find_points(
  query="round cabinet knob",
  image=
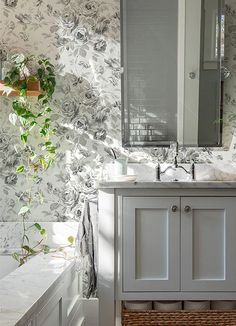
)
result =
(192, 75)
(187, 209)
(174, 208)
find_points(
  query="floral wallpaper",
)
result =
(82, 38)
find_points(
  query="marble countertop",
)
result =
(171, 185)
(22, 291)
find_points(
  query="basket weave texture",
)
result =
(178, 318)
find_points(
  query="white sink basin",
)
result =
(203, 172)
(147, 172)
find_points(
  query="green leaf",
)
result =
(23, 92)
(30, 250)
(51, 149)
(27, 114)
(43, 132)
(20, 169)
(46, 249)
(32, 78)
(18, 108)
(43, 163)
(24, 137)
(40, 114)
(16, 256)
(32, 124)
(40, 72)
(71, 240)
(43, 232)
(41, 96)
(23, 121)
(49, 69)
(23, 89)
(23, 210)
(38, 226)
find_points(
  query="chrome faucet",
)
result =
(175, 166)
(175, 146)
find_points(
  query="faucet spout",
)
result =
(175, 147)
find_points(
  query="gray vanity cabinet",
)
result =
(162, 236)
(208, 244)
(151, 243)
(165, 241)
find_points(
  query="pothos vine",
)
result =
(36, 132)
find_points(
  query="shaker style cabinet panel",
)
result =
(151, 244)
(208, 244)
(53, 313)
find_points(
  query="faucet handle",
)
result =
(158, 172)
(192, 170)
(176, 161)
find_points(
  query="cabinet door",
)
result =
(208, 243)
(151, 236)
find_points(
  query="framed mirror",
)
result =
(173, 72)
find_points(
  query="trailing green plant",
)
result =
(32, 117)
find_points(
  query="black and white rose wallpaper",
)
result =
(82, 39)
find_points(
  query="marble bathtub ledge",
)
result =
(24, 290)
(171, 185)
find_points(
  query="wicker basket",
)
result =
(178, 318)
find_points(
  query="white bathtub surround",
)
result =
(43, 288)
(57, 234)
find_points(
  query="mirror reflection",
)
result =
(173, 72)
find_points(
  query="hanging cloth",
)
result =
(85, 249)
